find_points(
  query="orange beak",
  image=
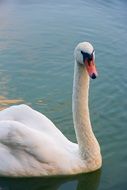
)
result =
(91, 68)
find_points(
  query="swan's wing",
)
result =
(26, 115)
(17, 136)
(24, 150)
(34, 120)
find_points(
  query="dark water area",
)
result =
(37, 40)
(85, 181)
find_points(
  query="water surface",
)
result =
(37, 39)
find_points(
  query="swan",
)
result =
(31, 145)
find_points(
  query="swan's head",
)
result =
(85, 55)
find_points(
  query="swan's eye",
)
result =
(82, 52)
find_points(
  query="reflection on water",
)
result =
(81, 182)
(4, 102)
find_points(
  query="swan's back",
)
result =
(26, 115)
(32, 119)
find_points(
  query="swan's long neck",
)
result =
(88, 145)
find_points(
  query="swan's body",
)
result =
(31, 145)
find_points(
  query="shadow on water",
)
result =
(80, 182)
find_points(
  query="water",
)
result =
(37, 39)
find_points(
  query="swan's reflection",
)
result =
(80, 182)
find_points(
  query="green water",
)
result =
(37, 39)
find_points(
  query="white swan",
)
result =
(31, 145)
